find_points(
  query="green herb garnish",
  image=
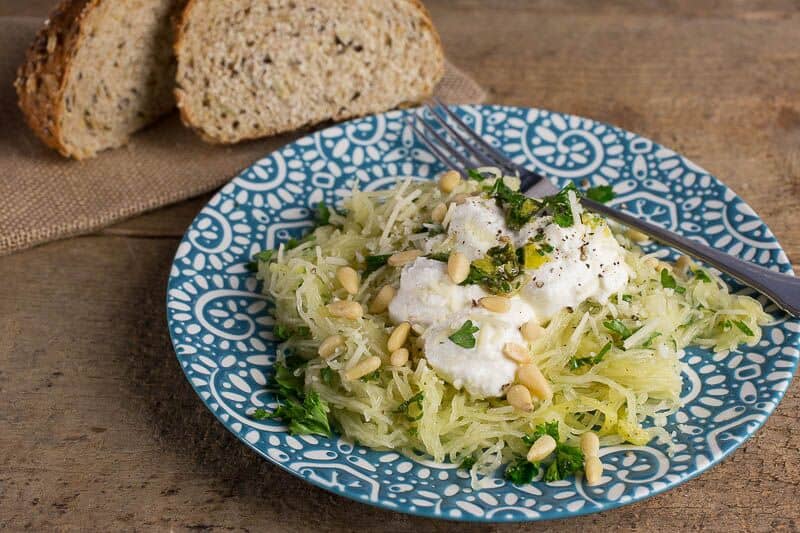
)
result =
(262, 256)
(372, 376)
(467, 463)
(627, 297)
(322, 214)
(374, 262)
(439, 256)
(702, 275)
(618, 327)
(650, 339)
(465, 335)
(577, 362)
(519, 209)
(412, 407)
(520, 472)
(475, 175)
(559, 206)
(326, 373)
(743, 327)
(498, 271)
(283, 333)
(568, 459)
(668, 282)
(304, 413)
(600, 193)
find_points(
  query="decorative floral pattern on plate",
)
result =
(221, 328)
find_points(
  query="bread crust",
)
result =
(41, 79)
(189, 121)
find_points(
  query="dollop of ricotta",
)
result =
(475, 226)
(427, 294)
(585, 262)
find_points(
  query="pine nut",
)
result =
(636, 236)
(516, 352)
(329, 346)
(367, 366)
(544, 446)
(682, 264)
(401, 258)
(449, 180)
(590, 444)
(460, 198)
(399, 357)
(531, 330)
(382, 300)
(519, 397)
(457, 267)
(532, 377)
(438, 213)
(346, 309)
(593, 470)
(398, 337)
(496, 304)
(348, 277)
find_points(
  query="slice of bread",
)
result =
(250, 68)
(97, 72)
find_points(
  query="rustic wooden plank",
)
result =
(100, 430)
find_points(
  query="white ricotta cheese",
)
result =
(475, 226)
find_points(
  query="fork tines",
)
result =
(460, 150)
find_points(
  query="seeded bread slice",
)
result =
(250, 68)
(97, 72)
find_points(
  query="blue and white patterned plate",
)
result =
(221, 326)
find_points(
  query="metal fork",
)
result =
(460, 148)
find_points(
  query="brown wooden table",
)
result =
(99, 429)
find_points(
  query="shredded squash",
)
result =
(625, 396)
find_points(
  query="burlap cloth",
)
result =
(44, 197)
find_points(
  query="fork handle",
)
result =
(783, 289)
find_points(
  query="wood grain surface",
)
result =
(99, 430)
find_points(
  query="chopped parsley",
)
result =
(600, 193)
(439, 256)
(559, 206)
(577, 362)
(568, 459)
(465, 335)
(618, 327)
(322, 215)
(263, 256)
(475, 175)
(650, 339)
(743, 327)
(372, 376)
(374, 262)
(326, 373)
(519, 209)
(668, 282)
(702, 275)
(412, 407)
(498, 271)
(627, 298)
(283, 333)
(520, 472)
(467, 463)
(304, 413)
